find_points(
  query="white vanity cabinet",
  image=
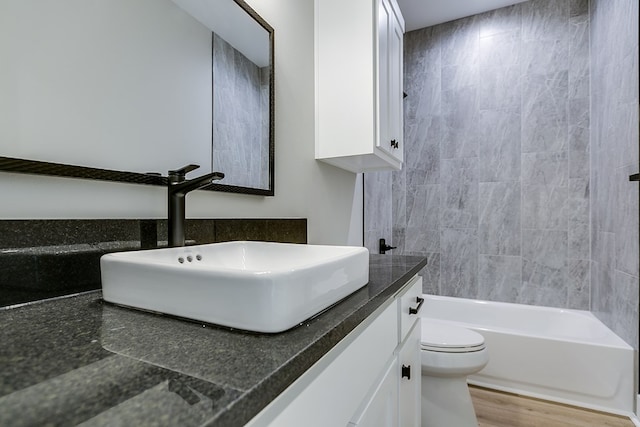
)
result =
(370, 378)
(381, 408)
(409, 360)
(395, 400)
(358, 47)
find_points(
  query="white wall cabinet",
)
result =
(358, 47)
(370, 378)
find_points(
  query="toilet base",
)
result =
(446, 402)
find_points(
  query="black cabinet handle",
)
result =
(394, 144)
(406, 372)
(420, 301)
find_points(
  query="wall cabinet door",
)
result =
(358, 49)
(390, 34)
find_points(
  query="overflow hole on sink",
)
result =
(189, 258)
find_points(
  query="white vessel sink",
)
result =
(256, 286)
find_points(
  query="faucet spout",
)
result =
(178, 188)
(184, 187)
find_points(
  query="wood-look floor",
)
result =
(498, 409)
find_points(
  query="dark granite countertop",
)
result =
(79, 361)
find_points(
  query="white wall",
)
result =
(329, 197)
(82, 82)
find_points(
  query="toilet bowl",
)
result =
(449, 354)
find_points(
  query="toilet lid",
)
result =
(447, 337)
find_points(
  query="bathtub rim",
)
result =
(619, 342)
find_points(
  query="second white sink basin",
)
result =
(255, 286)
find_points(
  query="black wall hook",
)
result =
(384, 247)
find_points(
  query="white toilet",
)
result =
(449, 353)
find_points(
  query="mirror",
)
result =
(117, 89)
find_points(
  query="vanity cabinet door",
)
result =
(332, 390)
(410, 372)
(395, 400)
(359, 382)
(381, 410)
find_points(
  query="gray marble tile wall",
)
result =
(241, 108)
(614, 144)
(495, 188)
(377, 210)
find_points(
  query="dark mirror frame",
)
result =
(34, 167)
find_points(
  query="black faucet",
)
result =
(179, 186)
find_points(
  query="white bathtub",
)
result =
(566, 356)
